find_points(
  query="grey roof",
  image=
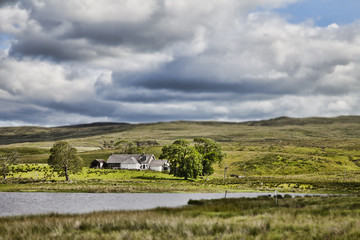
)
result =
(131, 160)
(158, 163)
(146, 158)
(121, 158)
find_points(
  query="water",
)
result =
(19, 203)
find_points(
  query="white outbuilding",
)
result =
(159, 165)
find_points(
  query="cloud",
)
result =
(271, 57)
(7, 2)
(35, 90)
(13, 19)
(164, 60)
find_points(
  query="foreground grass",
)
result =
(261, 218)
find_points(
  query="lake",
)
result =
(26, 203)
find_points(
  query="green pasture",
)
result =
(39, 177)
(43, 172)
(293, 153)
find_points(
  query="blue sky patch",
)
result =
(322, 12)
(4, 41)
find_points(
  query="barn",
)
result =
(98, 163)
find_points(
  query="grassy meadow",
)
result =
(291, 155)
(261, 218)
(39, 177)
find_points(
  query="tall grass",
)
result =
(262, 218)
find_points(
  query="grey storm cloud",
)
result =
(7, 2)
(47, 49)
(159, 60)
(152, 33)
(172, 82)
(138, 36)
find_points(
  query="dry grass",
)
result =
(262, 218)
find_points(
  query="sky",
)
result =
(82, 61)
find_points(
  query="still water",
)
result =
(19, 203)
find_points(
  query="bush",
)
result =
(196, 202)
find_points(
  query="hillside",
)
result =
(9, 135)
(282, 121)
(282, 127)
(281, 146)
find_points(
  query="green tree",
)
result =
(63, 159)
(184, 160)
(6, 161)
(211, 152)
(127, 147)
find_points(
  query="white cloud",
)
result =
(96, 11)
(39, 81)
(135, 60)
(13, 19)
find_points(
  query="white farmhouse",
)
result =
(137, 162)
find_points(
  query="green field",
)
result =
(261, 218)
(295, 155)
(38, 177)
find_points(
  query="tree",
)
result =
(191, 161)
(63, 159)
(6, 161)
(127, 147)
(211, 152)
(184, 160)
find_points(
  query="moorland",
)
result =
(308, 155)
(287, 154)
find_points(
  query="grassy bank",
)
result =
(38, 177)
(261, 218)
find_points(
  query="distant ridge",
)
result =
(9, 135)
(95, 124)
(282, 121)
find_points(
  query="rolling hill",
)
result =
(281, 146)
(338, 127)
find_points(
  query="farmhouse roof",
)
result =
(121, 158)
(158, 163)
(131, 160)
(146, 158)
